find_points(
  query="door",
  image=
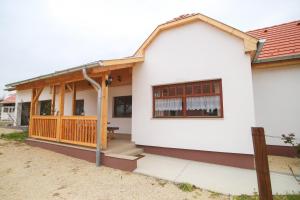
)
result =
(25, 110)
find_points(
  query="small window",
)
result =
(5, 109)
(45, 107)
(79, 107)
(123, 106)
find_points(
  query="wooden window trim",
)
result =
(184, 96)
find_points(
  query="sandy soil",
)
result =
(281, 164)
(32, 173)
(8, 130)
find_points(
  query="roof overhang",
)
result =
(250, 42)
(94, 69)
(282, 61)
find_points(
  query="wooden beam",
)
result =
(32, 111)
(104, 104)
(53, 100)
(36, 98)
(261, 163)
(62, 99)
(109, 68)
(74, 99)
(61, 111)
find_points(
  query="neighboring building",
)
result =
(8, 108)
(193, 90)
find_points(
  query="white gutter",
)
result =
(99, 96)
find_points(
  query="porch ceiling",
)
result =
(94, 69)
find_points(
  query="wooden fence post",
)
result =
(262, 164)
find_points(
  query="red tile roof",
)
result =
(9, 99)
(281, 40)
(181, 17)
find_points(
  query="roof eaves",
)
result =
(281, 58)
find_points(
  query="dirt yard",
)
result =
(4, 130)
(32, 173)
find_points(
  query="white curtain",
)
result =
(204, 103)
(174, 104)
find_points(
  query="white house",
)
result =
(193, 90)
(8, 108)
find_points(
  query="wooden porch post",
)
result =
(74, 99)
(53, 100)
(32, 111)
(104, 103)
(36, 92)
(61, 110)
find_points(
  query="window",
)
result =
(79, 107)
(122, 106)
(5, 109)
(193, 99)
(45, 107)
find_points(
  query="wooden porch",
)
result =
(75, 129)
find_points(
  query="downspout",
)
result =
(260, 45)
(98, 135)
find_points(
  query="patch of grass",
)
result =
(214, 194)
(186, 187)
(275, 197)
(17, 136)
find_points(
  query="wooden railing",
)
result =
(44, 127)
(80, 130)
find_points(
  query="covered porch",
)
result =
(70, 115)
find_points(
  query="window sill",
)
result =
(189, 117)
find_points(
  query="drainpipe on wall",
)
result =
(99, 91)
(260, 45)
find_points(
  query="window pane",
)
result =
(206, 87)
(168, 107)
(188, 89)
(179, 90)
(123, 106)
(79, 107)
(5, 110)
(172, 91)
(197, 88)
(157, 92)
(45, 107)
(203, 106)
(216, 87)
(165, 92)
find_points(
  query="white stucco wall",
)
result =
(123, 123)
(277, 101)
(90, 103)
(195, 52)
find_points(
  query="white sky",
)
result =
(41, 36)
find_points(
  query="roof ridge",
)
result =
(273, 26)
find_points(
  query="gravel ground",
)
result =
(32, 173)
(281, 164)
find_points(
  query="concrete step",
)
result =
(120, 148)
(133, 152)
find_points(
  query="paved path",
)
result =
(218, 178)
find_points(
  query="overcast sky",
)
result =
(41, 36)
